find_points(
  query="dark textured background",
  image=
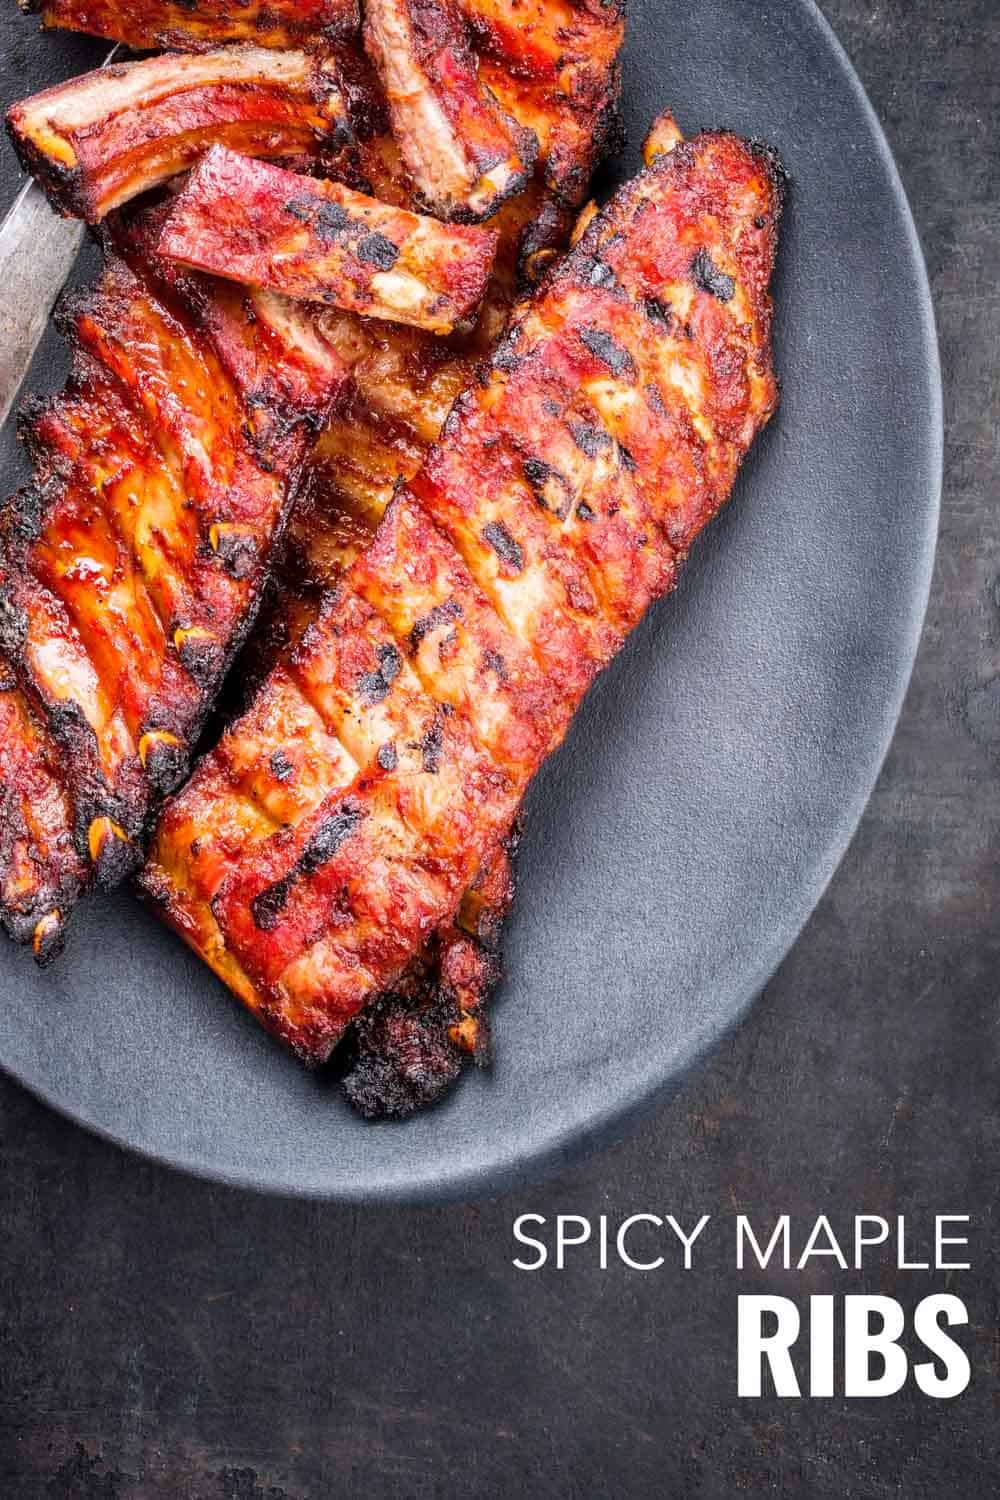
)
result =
(160, 1337)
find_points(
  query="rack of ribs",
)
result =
(553, 65)
(564, 494)
(180, 24)
(133, 564)
(404, 383)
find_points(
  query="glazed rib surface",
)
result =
(174, 24)
(553, 65)
(41, 871)
(132, 565)
(560, 502)
(104, 137)
(253, 222)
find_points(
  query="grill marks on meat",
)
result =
(403, 385)
(466, 156)
(602, 441)
(102, 138)
(179, 24)
(254, 222)
(130, 570)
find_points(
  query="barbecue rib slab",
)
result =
(466, 156)
(150, 24)
(254, 222)
(132, 565)
(104, 137)
(564, 495)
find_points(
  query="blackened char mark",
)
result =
(494, 662)
(551, 489)
(13, 628)
(324, 844)
(441, 614)
(329, 220)
(376, 250)
(400, 1057)
(281, 766)
(658, 312)
(590, 440)
(237, 551)
(711, 279)
(603, 347)
(374, 686)
(506, 548)
(431, 747)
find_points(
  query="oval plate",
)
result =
(713, 779)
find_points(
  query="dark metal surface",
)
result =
(38, 250)
(713, 778)
(162, 1337)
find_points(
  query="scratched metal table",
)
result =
(162, 1337)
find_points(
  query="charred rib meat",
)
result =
(100, 139)
(403, 384)
(132, 565)
(407, 1050)
(41, 871)
(553, 65)
(256, 223)
(561, 501)
(466, 156)
(181, 25)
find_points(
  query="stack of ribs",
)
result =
(314, 389)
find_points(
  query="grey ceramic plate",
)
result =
(713, 780)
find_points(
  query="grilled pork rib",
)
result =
(561, 501)
(131, 567)
(100, 139)
(465, 155)
(256, 223)
(183, 25)
(553, 65)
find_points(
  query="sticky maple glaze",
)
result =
(254, 222)
(132, 565)
(403, 384)
(173, 24)
(102, 138)
(563, 496)
(553, 65)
